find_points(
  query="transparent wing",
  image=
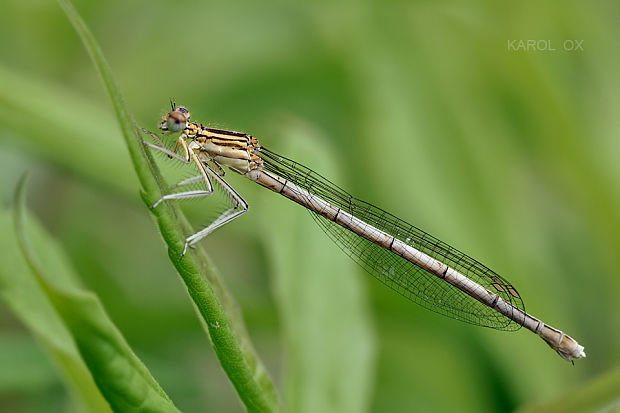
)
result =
(409, 280)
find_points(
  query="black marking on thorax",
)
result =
(223, 137)
(225, 132)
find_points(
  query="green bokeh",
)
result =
(420, 107)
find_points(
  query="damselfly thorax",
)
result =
(232, 149)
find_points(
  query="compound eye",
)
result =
(176, 122)
(182, 109)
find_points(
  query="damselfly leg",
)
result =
(240, 206)
(162, 148)
(207, 173)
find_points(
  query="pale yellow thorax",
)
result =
(232, 149)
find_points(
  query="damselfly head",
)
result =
(176, 120)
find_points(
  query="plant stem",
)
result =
(215, 305)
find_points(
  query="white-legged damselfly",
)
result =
(415, 264)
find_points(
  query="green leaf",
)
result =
(215, 305)
(120, 376)
(25, 297)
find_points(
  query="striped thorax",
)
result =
(233, 149)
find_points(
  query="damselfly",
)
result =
(415, 264)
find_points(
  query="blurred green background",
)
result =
(419, 107)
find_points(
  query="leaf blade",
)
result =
(121, 377)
